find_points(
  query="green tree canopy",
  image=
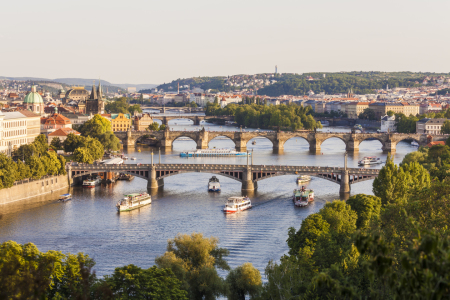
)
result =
(109, 141)
(367, 208)
(132, 282)
(96, 126)
(56, 144)
(194, 259)
(445, 129)
(242, 281)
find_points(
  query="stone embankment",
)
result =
(26, 189)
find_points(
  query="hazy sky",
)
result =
(138, 41)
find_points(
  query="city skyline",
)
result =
(153, 43)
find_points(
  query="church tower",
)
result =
(95, 103)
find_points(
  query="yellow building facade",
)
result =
(120, 122)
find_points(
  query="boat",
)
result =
(302, 197)
(254, 143)
(414, 144)
(133, 158)
(91, 182)
(125, 157)
(124, 176)
(214, 184)
(65, 197)
(213, 152)
(237, 204)
(370, 160)
(303, 179)
(325, 123)
(133, 201)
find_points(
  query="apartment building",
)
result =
(17, 128)
(430, 126)
(353, 109)
(142, 122)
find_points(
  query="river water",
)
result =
(90, 224)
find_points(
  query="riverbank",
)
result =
(33, 188)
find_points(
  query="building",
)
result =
(354, 109)
(33, 101)
(62, 134)
(17, 128)
(142, 122)
(77, 93)
(54, 122)
(319, 107)
(120, 122)
(381, 108)
(95, 103)
(430, 126)
(202, 99)
(77, 119)
(388, 124)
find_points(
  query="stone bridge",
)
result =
(249, 175)
(352, 140)
(195, 118)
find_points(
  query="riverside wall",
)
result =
(33, 188)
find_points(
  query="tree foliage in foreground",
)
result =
(194, 260)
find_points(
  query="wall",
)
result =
(34, 188)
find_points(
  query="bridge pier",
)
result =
(247, 181)
(196, 121)
(314, 146)
(389, 147)
(278, 147)
(153, 183)
(241, 145)
(352, 146)
(345, 183)
(165, 121)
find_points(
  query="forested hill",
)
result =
(332, 83)
(295, 84)
(205, 83)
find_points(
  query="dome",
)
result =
(33, 97)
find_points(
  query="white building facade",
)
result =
(16, 129)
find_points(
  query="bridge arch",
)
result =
(177, 119)
(296, 142)
(237, 177)
(229, 141)
(257, 138)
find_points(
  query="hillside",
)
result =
(295, 84)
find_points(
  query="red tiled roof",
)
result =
(64, 132)
(435, 143)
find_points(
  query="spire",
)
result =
(100, 91)
(93, 93)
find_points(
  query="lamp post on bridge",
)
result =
(159, 155)
(152, 158)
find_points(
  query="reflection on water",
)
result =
(90, 223)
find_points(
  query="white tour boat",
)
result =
(302, 197)
(236, 204)
(213, 152)
(415, 144)
(91, 182)
(65, 197)
(133, 158)
(303, 179)
(214, 184)
(133, 201)
(370, 160)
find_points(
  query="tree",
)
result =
(445, 129)
(25, 151)
(95, 148)
(36, 167)
(119, 106)
(23, 171)
(56, 144)
(27, 273)
(242, 281)
(8, 171)
(73, 142)
(109, 141)
(135, 108)
(391, 183)
(367, 208)
(62, 162)
(162, 127)
(40, 145)
(194, 259)
(132, 282)
(312, 228)
(83, 155)
(390, 113)
(367, 114)
(95, 126)
(154, 126)
(51, 163)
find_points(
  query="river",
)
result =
(90, 224)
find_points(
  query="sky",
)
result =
(152, 42)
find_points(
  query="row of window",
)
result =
(15, 124)
(15, 132)
(56, 181)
